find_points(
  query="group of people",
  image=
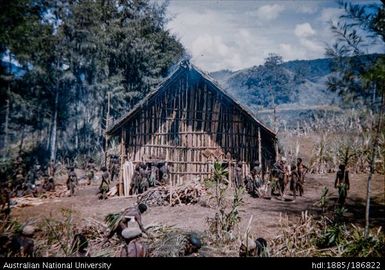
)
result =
(261, 183)
(293, 177)
(107, 176)
(73, 180)
(129, 227)
(22, 182)
(256, 183)
(289, 176)
(148, 175)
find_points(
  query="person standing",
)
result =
(104, 185)
(72, 181)
(342, 183)
(51, 168)
(90, 171)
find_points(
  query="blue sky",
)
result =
(226, 34)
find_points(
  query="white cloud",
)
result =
(304, 30)
(312, 46)
(330, 14)
(212, 52)
(288, 52)
(285, 47)
(207, 44)
(212, 48)
(244, 33)
(269, 12)
(307, 9)
(236, 34)
(207, 49)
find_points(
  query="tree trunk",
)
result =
(76, 128)
(22, 138)
(54, 128)
(49, 131)
(374, 95)
(107, 126)
(76, 135)
(372, 166)
(7, 103)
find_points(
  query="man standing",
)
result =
(104, 185)
(51, 168)
(19, 166)
(38, 170)
(342, 183)
(238, 175)
(90, 171)
(302, 170)
(256, 173)
(72, 181)
(144, 175)
(280, 171)
(154, 175)
(295, 182)
(114, 167)
(164, 171)
(135, 182)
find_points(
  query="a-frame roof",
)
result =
(182, 67)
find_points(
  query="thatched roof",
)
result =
(182, 67)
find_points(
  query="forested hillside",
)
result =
(300, 82)
(61, 59)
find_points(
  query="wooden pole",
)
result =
(259, 147)
(7, 105)
(107, 126)
(121, 164)
(126, 187)
(276, 150)
(167, 158)
(230, 171)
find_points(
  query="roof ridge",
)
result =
(184, 65)
(229, 95)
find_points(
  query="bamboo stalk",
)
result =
(121, 164)
(259, 147)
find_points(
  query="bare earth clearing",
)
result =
(266, 213)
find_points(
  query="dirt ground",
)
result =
(266, 213)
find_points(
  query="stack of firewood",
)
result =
(155, 196)
(184, 194)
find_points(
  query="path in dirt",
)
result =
(266, 213)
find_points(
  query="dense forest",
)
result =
(61, 63)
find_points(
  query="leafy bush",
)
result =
(222, 225)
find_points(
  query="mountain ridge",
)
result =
(296, 85)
